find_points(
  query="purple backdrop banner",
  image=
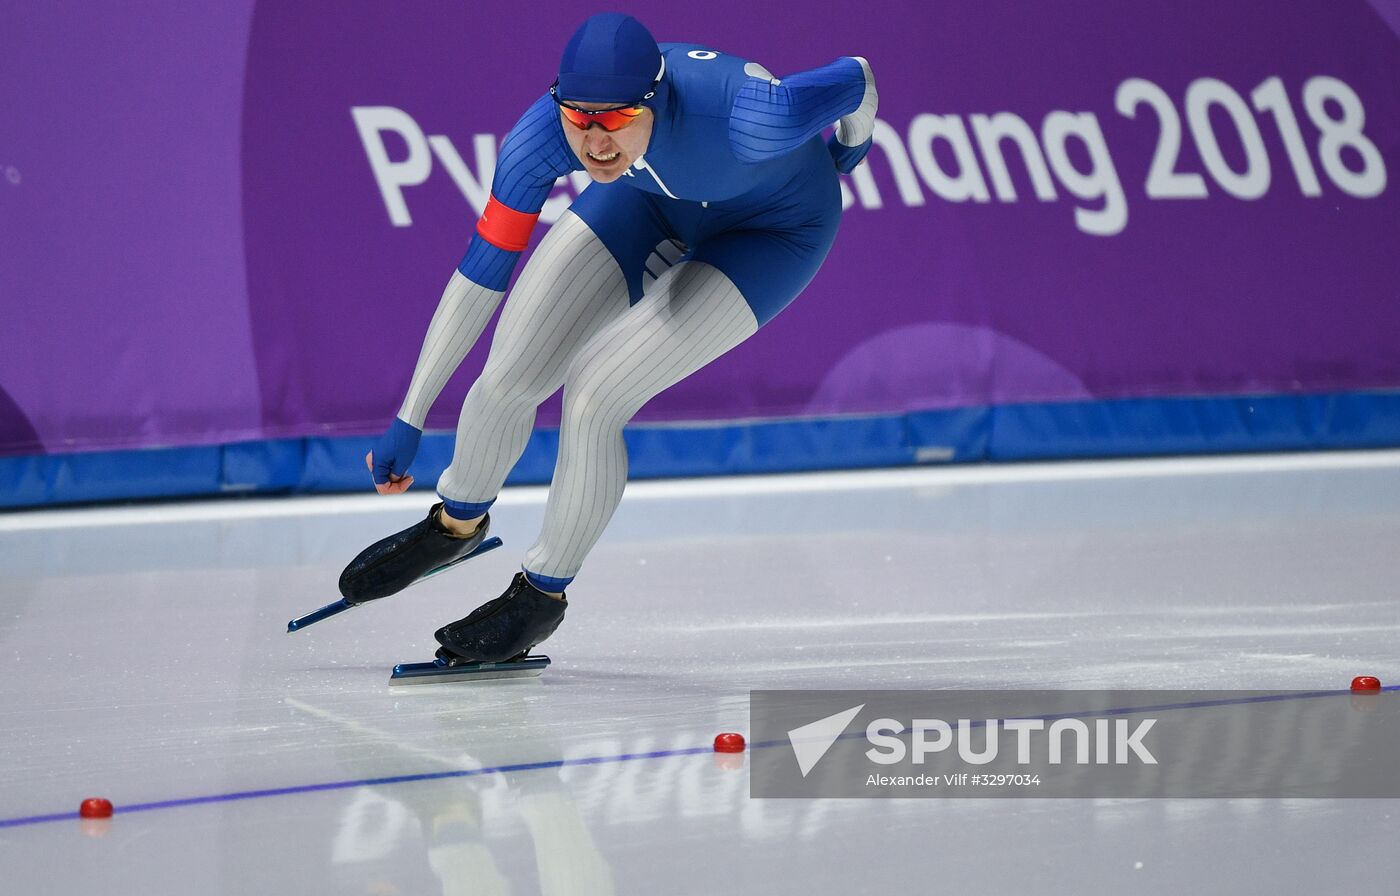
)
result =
(233, 221)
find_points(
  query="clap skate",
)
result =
(494, 640)
(390, 565)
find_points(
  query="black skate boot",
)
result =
(392, 564)
(502, 629)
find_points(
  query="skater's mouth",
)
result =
(606, 158)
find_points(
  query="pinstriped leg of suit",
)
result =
(692, 314)
(571, 287)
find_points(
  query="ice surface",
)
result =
(146, 660)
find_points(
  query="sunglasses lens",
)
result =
(610, 120)
(576, 118)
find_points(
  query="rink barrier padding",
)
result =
(1013, 432)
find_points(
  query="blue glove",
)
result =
(395, 450)
(847, 157)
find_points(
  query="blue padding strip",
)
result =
(1015, 432)
(1154, 426)
(242, 468)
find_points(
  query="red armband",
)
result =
(504, 227)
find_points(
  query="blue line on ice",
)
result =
(27, 820)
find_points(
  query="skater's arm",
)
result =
(461, 315)
(771, 118)
(534, 155)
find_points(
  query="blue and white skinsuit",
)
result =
(721, 222)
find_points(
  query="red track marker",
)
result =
(1365, 683)
(95, 807)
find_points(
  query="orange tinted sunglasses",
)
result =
(608, 119)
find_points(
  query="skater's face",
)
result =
(595, 147)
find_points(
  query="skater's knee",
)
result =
(585, 402)
(500, 385)
(593, 392)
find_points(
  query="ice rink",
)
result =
(146, 661)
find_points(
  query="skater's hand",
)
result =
(388, 462)
(394, 486)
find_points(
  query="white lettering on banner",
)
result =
(475, 187)
(1342, 132)
(991, 131)
(1204, 93)
(392, 177)
(967, 183)
(1099, 182)
(938, 154)
(1272, 98)
(905, 180)
(1163, 180)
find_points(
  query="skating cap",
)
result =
(612, 58)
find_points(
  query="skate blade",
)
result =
(342, 605)
(438, 672)
(325, 612)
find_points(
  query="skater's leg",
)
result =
(571, 286)
(693, 314)
(734, 282)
